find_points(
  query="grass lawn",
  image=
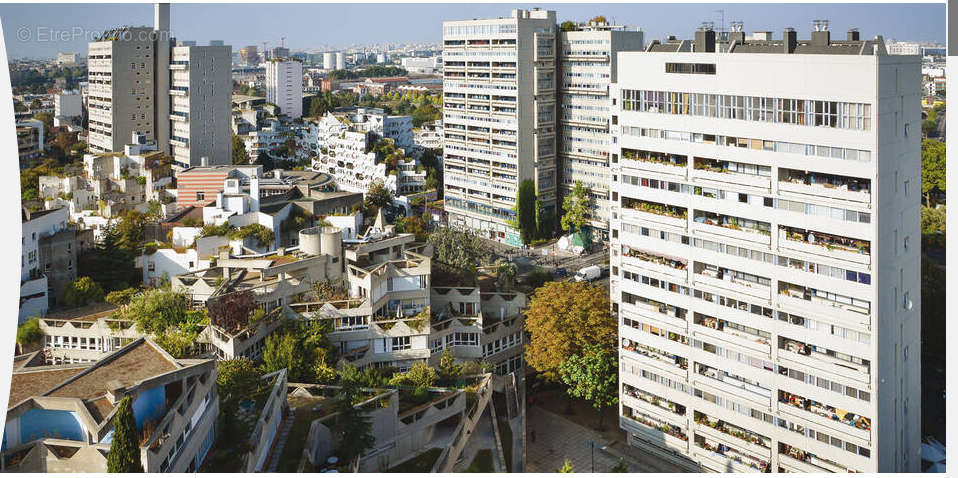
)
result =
(482, 463)
(421, 463)
(289, 459)
(505, 434)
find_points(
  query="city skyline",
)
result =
(27, 37)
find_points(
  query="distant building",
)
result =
(38, 280)
(423, 66)
(340, 61)
(29, 141)
(278, 53)
(284, 86)
(248, 55)
(66, 59)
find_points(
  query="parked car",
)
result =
(560, 272)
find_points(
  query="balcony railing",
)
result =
(826, 411)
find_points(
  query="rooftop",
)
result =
(132, 364)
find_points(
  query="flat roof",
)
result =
(86, 313)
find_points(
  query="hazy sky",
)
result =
(42, 30)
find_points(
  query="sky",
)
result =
(42, 30)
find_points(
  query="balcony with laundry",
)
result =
(795, 460)
(726, 384)
(651, 403)
(634, 305)
(732, 280)
(816, 184)
(654, 429)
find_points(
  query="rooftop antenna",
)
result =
(707, 26)
(737, 25)
(722, 12)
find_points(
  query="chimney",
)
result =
(161, 18)
(790, 39)
(254, 194)
(705, 41)
(821, 38)
(853, 34)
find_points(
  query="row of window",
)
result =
(833, 114)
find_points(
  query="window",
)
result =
(200, 195)
(400, 343)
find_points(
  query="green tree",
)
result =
(121, 297)
(932, 168)
(620, 467)
(235, 377)
(526, 211)
(568, 26)
(82, 291)
(29, 332)
(124, 454)
(378, 195)
(282, 351)
(177, 341)
(240, 156)
(566, 467)
(425, 113)
(933, 227)
(506, 275)
(563, 318)
(448, 368)
(352, 429)
(576, 206)
(592, 376)
(421, 375)
(457, 252)
(155, 310)
(47, 119)
(933, 313)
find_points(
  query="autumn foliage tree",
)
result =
(231, 311)
(563, 319)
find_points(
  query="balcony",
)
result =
(738, 437)
(732, 227)
(725, 384)
(178, 141)
(655, 311)
(715, 328)
(724, 458)
(824, 185)
(827, 245)
(812, 302)
(658, 162)
(719, 171)
(179, 65)
(653, 428)
(729, 280)
(824, 363)
(804, 462)
(830, 417)
(179, 91)
(658, 359)
(656, 263)
(654, 212)
(178, 116)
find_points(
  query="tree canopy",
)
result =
(457, 251)
(576, 206)
(932, 168)
(592, 376)
(526, 211)
(82, 291)
(563, 319)
(240, 156)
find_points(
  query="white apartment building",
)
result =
(340, 61)
(587, 65)
(284, 86)
(200, 113)
(66, 59)
(765, 254)
(499, 87)
(67, 105)
(343, 141)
